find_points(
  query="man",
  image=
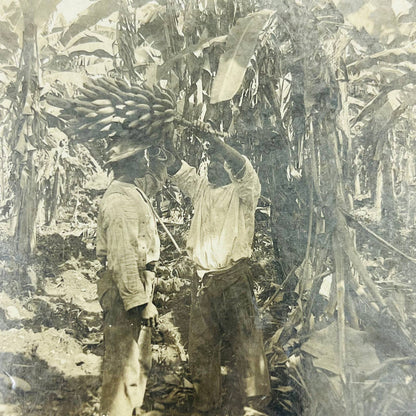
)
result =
(128, 246)
(223, 307)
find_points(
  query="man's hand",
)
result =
(204, 127)
(218, 147)
(173, 162)
(150, 315)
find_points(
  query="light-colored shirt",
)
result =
(127, 236)
(222, 227)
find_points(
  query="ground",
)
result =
(51, 329)
(51, 346)
(51, 326)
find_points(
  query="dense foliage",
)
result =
(318, 94)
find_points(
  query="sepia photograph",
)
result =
(207, 207)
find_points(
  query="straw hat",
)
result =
(124, 148)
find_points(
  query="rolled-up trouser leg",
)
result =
(204, 354)
(126, 365)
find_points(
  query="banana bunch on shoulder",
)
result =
(108, 107)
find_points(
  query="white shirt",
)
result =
(222, 227)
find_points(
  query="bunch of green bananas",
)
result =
(108, 107)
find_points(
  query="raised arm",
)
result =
(234, 159)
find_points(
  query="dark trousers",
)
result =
(224, 310)
(127, 359)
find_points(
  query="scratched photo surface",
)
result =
(207, 207)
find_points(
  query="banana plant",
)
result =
(25, 32)
(28, 126)
(272, 75)
(381, 73)
(27, 41)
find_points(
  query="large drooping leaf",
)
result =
(375, 73)
(240, 46)
(396, 55)
(96, 12)
(384, 95)
(386, 117)
(88, 36)
(323, 347)
(44, 10)
(103, 50)
(390, 113)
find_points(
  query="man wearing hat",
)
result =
(223, 308)
(128, 246)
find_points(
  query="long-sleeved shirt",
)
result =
(127, 236)
(222, 227)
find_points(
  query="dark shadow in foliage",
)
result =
(54, 314)
(179, 305)
(54, 250)
(63, 315)
(57, 249)
(51, 393)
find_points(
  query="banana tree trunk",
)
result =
(27, 130)
(388, 200)
(26, 201)
(288, 222)
(3, 191)
(378, 191)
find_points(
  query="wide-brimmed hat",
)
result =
(124, 148)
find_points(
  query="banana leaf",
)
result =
(380, 100)
(323, 346)
(241, 43)
(91, 48)
(374, 73)
(5, 55)
(88, 36)
(96, 12)
(8, 38)
(395, 55)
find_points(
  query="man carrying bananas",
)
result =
(223, 309)
(128, 247)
